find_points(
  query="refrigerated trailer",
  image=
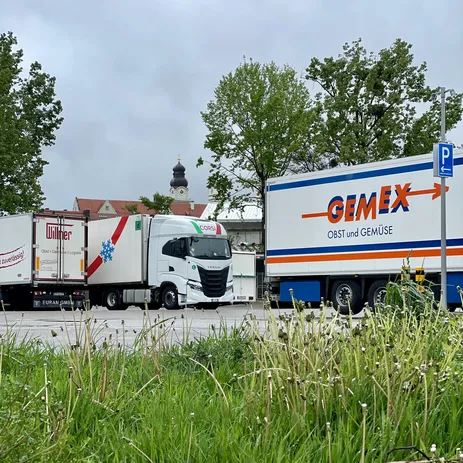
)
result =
(244, 276)
(342, 234)
(42, 261)
(162, 260)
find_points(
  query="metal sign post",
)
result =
(443, 168)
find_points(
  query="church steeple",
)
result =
(179, 183)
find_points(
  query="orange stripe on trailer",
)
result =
(364, 256)
(314, 215)
(82, 268)
(37, 263)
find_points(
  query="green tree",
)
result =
(132, 208)
(29, 118)
(160, 204)
(260, 119)
(370, 107)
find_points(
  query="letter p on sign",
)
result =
(443, 160)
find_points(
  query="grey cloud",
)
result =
(134, 76)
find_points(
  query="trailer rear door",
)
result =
(60, 249)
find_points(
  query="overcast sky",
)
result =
(134, 75)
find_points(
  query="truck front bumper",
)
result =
(195, 297)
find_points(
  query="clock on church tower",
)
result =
(179, 184)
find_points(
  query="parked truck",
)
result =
(244, 276)
(42, 261)
(342, 234)
(163, 260)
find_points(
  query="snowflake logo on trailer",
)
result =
(107, 248)
(107, 252)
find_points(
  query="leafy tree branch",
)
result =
(29, 118)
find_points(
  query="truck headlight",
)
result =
(195, 286)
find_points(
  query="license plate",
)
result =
(49, 302)
(240, 298)
(214, 300)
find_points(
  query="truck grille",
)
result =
(214, 281)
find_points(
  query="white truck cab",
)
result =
(167, 260)
(193, 255)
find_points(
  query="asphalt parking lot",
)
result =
(64, 327)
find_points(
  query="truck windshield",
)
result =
(209, 248)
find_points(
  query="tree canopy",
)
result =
(370, 107)
(29, 118)
(259, 120)
(160, 204)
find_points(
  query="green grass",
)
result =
(306, 390)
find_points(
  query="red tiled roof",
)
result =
(94, 205)
(184, 208)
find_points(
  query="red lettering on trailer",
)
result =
(207, 227)
(11, 258)
(52, 232)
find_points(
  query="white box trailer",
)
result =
(42, 260)
(244, 276)
(343, 233)
(171, 260)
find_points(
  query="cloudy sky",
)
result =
(134, 75)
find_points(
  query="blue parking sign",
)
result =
(443, 160)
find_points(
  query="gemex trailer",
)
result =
(342, 234)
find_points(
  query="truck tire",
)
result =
(112, 299)
(170, 298)
(345, 295)
(377, 293)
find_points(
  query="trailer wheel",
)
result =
(377, 293)
(346, 294)
(170, 298)
(112, 299)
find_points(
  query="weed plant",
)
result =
(305, 389)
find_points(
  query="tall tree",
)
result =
(370, 107)
(29, 118)
(160, 204)
(260, 119)
(132, 208)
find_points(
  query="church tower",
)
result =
(179, 184)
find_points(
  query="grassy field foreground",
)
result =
(306, 391)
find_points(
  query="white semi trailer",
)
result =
(163, 260)
(343, 233)
(244, 276)
(42, 261)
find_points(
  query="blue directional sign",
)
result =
(443, 160)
